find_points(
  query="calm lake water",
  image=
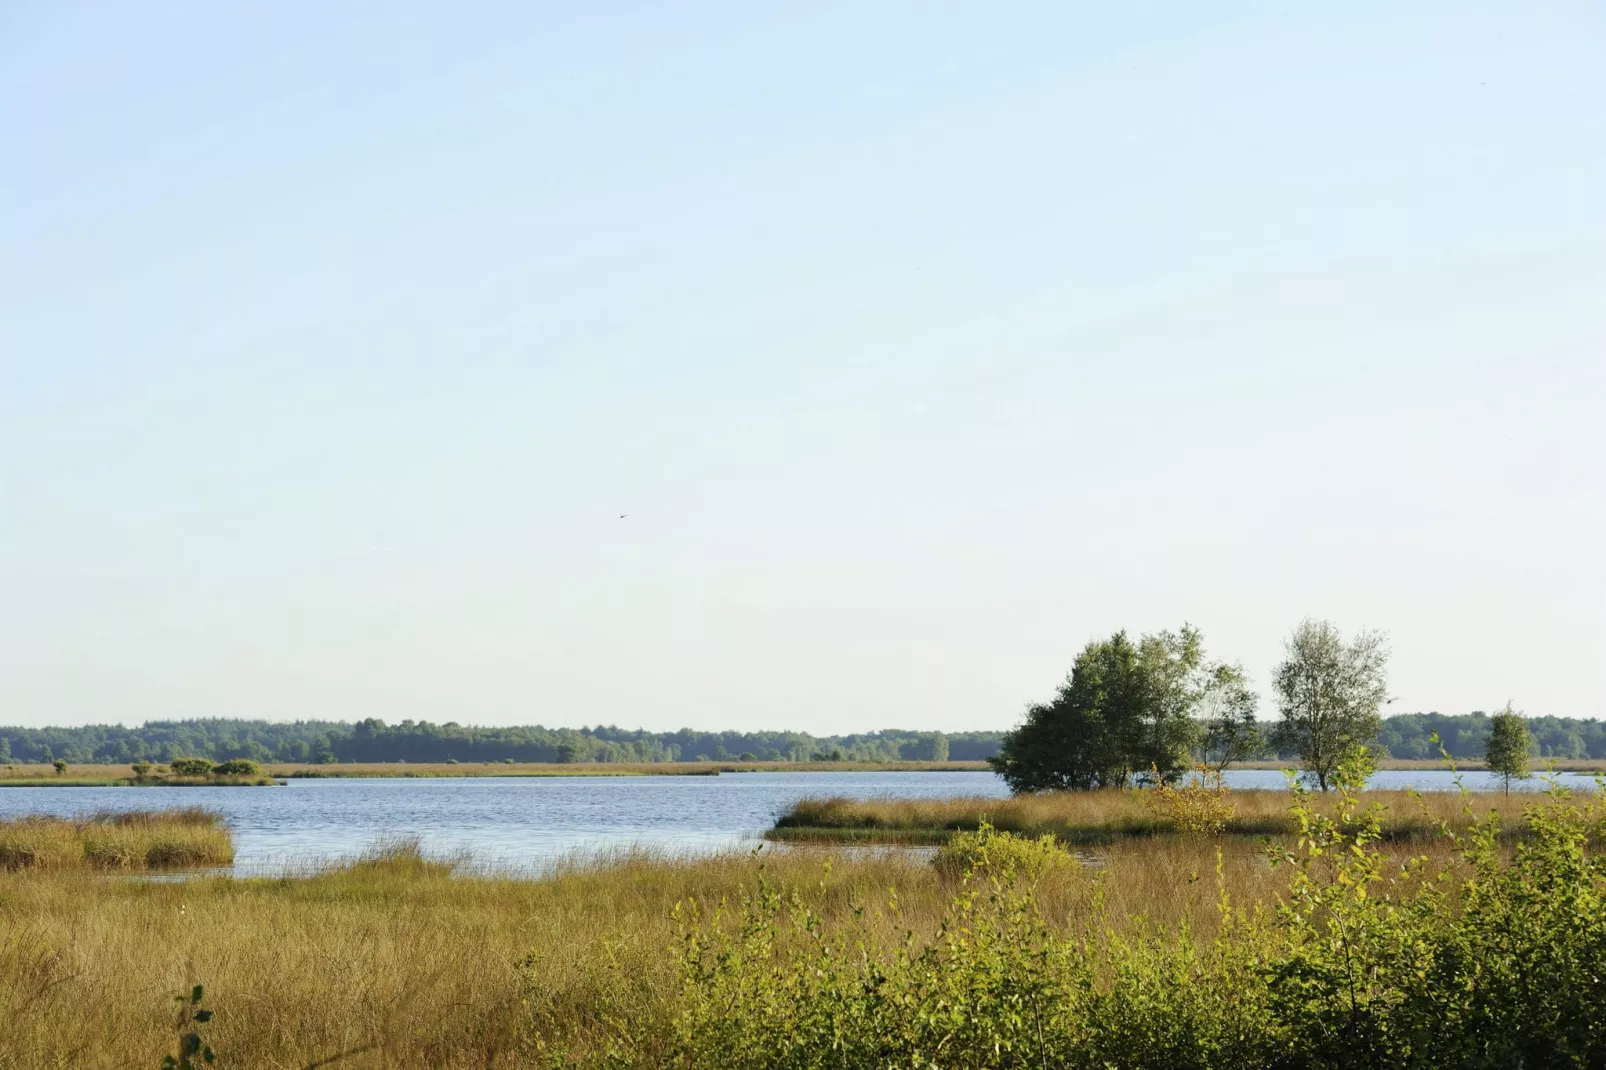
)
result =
(525, 823)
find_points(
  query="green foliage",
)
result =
(1200, 806)
(60, 766)
(1466, 735)
(373, 740)
(237, 767)
(1494, 959)
(1126, 709)
(1002, 854)
(1227, 709)
(193, 1052)
(142, 770)
(1329, 692)
(1506, 753)
(190, 767)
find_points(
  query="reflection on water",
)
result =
(524, 824)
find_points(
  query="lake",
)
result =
(522, 824)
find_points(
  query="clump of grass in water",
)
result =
(162, 839)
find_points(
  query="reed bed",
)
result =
(152, 840)
(401, 961)
(1102, 817)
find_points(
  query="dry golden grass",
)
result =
(1096, 817)
(419, 967)
(163, 839)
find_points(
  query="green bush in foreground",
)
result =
(1000, 854)
(1492, 960)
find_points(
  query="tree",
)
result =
(1125, 709)
(1329, 693)
(61, 766)
(1506, 752)
(1230, 732)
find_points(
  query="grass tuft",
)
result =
(162, 839)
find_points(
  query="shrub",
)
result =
(141, 770)
(1201, 806)
(237, 767)
(60, 765)
(190, 767)
(1000, 854)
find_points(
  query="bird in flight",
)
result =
(623, 515)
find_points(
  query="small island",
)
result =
(179, 773)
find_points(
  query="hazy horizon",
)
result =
(920, 347)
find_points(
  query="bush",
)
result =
(1000, 854)
(237, 767)
(190, 767)
(1201, 806)
(60, 765)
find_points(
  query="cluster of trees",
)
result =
(422, 741)
(1129, 710)
(1152, 707)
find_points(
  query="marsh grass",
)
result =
(162, 839)
(1081, 818)
(637, 958)
(409, 961)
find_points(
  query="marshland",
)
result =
(1005, 949)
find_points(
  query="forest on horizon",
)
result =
(1406, 735)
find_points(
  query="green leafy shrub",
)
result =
(1002, 854)
(190, 767)
(237, 767)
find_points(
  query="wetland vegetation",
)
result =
(1333, 947)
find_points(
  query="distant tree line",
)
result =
(372, 740)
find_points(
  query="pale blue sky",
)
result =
(921, 342)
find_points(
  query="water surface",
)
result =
(524, 823)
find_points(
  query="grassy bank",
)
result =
(155, 840)
(1165, 954)
(1102, 817)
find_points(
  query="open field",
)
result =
(1101, 817)
(163, 839)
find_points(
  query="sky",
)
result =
(921, 344)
